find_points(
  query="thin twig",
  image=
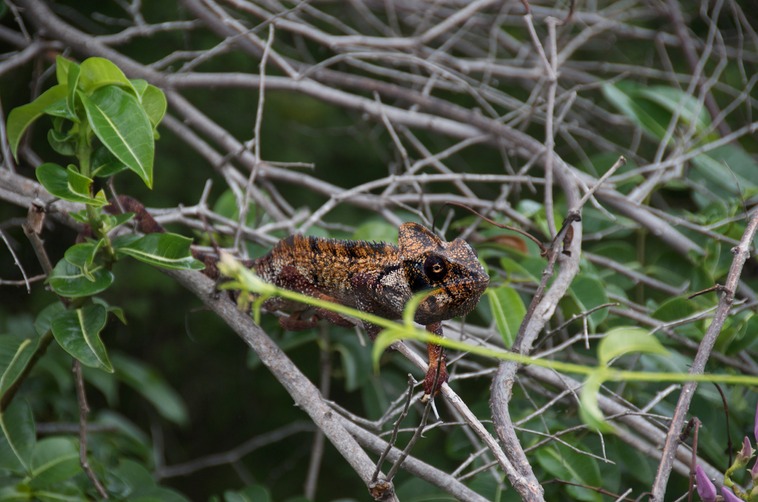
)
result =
(83, 412)
(741, 253)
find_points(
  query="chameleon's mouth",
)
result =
(444, 303)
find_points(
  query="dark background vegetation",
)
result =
(200, 391)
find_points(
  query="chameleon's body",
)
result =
(378, 278)
(373, 277)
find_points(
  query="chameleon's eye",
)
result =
(435, 268)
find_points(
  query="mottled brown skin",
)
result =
(378, 278)
(373, 277)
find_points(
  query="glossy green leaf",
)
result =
(118, 312)
(15, 354)
(17, 423)
(120, 123)
(627, 339)
(78, 332)
(508, 311)
(72, 84)
(99, 72)
(55, 459)
(155, 105)
(45, 318)
(19, 119)
(62, 142)
(111, 221)
(140, 86)
(79, 184)
(83, 256)
(164, 250)
(62, 69)
(55, 179)
(104, 164)
(69, 280)
(149, 384)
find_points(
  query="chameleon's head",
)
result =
(450, 271)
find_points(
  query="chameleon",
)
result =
(373, 277)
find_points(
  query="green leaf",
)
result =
(355, 361)
(508, 310)
(118, 312)
(674, 100)
(376, 230)
(17, 423)
(69, 280)
(83, 254)
(99, 72)
(104, 164)
(627, 339)
(62, 69)
(568, 465)
(80, 185)
(74, 72)
(55, 459)
(623, 96)
(152, 387)
(385, 338)
(56, 180)
(589, 409)
(154, 103)
(15, 354)
(121, 124)
(226, 206)
(138, 485)
(63, 143)
(722, 176)
(78, 332)
(45, 318)
(588, 293)
(164, 250)
(19, 119)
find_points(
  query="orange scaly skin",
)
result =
(378, 278)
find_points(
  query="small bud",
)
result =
(705, 487)
(745, 454)
(728, 495)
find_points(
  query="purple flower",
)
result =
(754, 473)
(728, 495)
(705, 487)
(745, 454)
(755, 426)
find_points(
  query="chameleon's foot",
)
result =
(436, 374)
